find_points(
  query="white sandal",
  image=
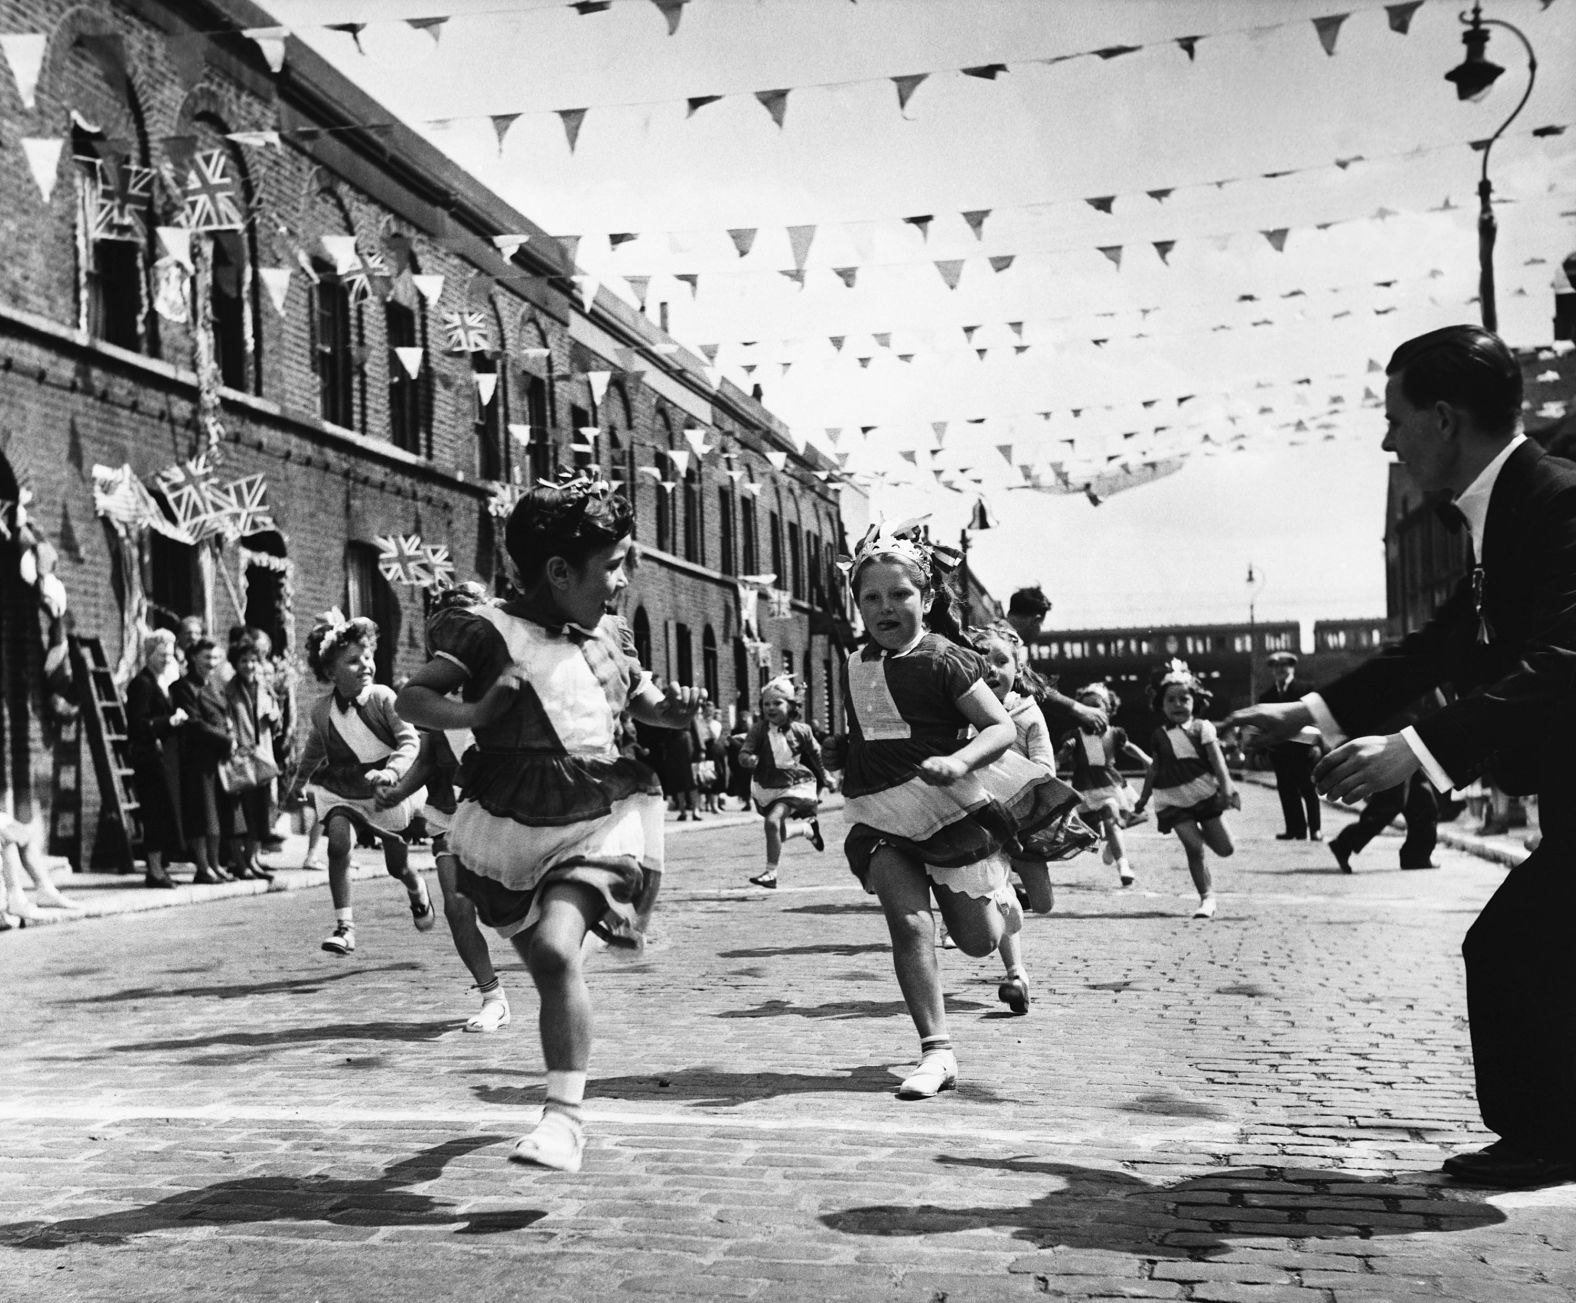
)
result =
(936, 1072)
(558, 1142)
(493, 1015)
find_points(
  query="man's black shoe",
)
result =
(1291, 836)
(1316, 836)
(1343, 857)
(1429, 863)
(1507, 1166)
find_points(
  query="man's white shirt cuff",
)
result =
(1332, 733)
(1436, 774)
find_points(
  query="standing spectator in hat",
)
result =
(1413, 800)
(1293, 759)
(1026, 612)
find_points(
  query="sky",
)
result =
(1238, 328)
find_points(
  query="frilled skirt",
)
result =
(528, 820)
(800, 798)
(963, 833)
(1104, 791)
(365, 811)
(1197, 799)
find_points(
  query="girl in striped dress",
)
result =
(1092, 760)
(931, 815)
(556, 832)
(1188, 779)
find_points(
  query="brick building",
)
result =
(309, 347)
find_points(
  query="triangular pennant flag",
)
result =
(909, 455)
(571, 118)
(352, 30)
(837, 342)
(503, 121)
(618, 238)
(939, 428)
(672, 10)
(1116, 51)
(776, 102)
(432, 26)
(1189, 46)
(342, 249)
(276, 280)
(968, 334)
(486, 386)
(24, 52)
(986, 71)
(951, 269)
(587, 287)
(883, 338)
(1114, 253)
(520, 433)
(797, 277)
(1163, 248)
(680, 457)
(43, 157)
(778, 460)
(1102, 204)
(410, 358)
(1018, 350)
(847, 275)
(1277, 238)
(743, 239)
(640, 285)
(1401, 15)
(271, 42)
(1002, 261)
(980, 353)
(921, 223)
(696, 438)
(799, 239)
(598, 380)
(1160, 196)
(976, 221)
(176, 241)
(906, 86)
(709, 352)
(507, 245)
(1328, 28)
(864, 363)
(699, 102)
(429, 285)
(692, 279)
(589, 433)
(583, 7)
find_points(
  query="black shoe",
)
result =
(1429, 863)
(1291, 836)
(1316, 836)
(159, 880)
(1343, 857)
(1507, 1166)
(767, 880)
(816, 840)
(272, 843)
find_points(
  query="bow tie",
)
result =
(1450, 516)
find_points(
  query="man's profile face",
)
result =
(1025, 626)
(1417, 438)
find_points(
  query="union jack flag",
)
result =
(122, 201)
(211, 199)
(403, 560)
(439, 567)
(467, 331)
(367, 277)
(503, 499)
(246, 510)
(189, 487)
(781, 603)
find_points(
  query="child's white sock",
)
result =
(344, 916)
(566, 1088)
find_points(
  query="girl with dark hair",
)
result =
(931, 818)
(557, 834)
(1188, 778)
(358, 749)
(1092, 758)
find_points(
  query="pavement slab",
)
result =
(201, 1104)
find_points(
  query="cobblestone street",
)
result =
(201, 1105)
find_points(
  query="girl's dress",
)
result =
(788, 767)
(1064, 837)
(1093, 771)
(441, 749)
(545, 795)
(350, 740)
(903, 710)
(1185, 785)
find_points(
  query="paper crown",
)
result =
(906, 540)
(782, 686)
(1176, 671)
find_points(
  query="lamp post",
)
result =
(979, 518)
(1255, 587)
(1473, 79)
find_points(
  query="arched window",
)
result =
(536, 364)
(694, 517)
(710, 670)
(640, 626)
(264, 584)
(664, 465)
(409, 366)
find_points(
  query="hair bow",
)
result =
(905, 539)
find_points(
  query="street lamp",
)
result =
(1473, 80)
(979, 518)
(1255, 587)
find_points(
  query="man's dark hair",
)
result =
(1029, 601)
(1465, 366)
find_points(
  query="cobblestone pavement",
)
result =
(201, 1105)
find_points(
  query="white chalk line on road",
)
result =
(1195, 1135)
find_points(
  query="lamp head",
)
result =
(1475, 75)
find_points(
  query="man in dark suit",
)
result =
(1026, 612)
(1413, 800)
(1293, 758)
(1506, 642)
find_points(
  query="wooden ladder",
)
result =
(104, 714)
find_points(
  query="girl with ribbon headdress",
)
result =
(1188, 778)
(558, 835)
(357, 751)
(788, 777)
(931, 817)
